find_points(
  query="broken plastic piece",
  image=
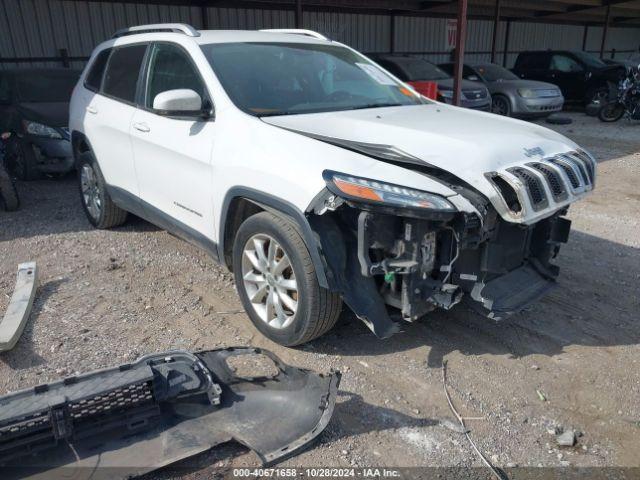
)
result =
(163, 408)
(17, 314)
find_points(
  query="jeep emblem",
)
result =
(532, 152)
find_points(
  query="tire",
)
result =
(316, 308)
(96, 202)
(598, 96)
(501, 105)
(8, 193)
(22, 161)
(611, 112)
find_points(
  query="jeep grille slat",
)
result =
(535, 189)
(554, 180)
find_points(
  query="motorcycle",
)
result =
(625, 100)
(8, 193)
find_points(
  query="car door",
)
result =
(173, 154)
(108, 115)
(568, 74)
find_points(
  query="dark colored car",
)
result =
(512, 96)
(34, 106)
(581, 76)
(414, 69)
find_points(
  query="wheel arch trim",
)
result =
(278, 206)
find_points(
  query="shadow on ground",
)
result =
(597, 277)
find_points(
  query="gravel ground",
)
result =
(107, 297)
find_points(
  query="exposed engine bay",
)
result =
(163, 408)
(417, 261)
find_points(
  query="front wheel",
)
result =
(611, 112)
(277, 282)
(501, 105)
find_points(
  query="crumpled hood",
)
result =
(52, 114)
(463, 142)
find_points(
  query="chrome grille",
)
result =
(549, 181)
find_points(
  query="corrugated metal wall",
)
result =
(40, 28)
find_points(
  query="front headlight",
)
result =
(373, 191)
(40, 130)
(527, 93)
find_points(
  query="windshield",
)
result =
(46, 86)
(590, 60)
(419, 69)
(494, 73)
(293, 78)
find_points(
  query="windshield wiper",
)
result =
(376, 105)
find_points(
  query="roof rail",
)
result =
(296, 31)
(158, 27)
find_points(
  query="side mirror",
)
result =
(181, 102)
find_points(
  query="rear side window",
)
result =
(94, 77)
(535, 61)
(123, 70)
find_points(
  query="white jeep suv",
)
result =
(318, 177)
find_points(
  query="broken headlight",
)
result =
(373, 191)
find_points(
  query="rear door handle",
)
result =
(142, 127)
(91, 109)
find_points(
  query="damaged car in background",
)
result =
(135, 418)
(318, 177)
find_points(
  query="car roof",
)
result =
(234, 36)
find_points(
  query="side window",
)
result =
(5, 90)
(169, 69)
(123, 69)
(562, 63)
(94, 77)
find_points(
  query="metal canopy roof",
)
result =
(584, 12)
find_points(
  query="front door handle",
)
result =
(91, 109)
(143, 127)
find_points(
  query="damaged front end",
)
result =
(163, 408)
(383, 254)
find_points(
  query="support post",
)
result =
(496, 23)
(605, 30)
(298, 13)
(461, 36)
(585, 35)
(64, 56)
(392, 32)
(507, 33)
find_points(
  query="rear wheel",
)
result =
(611, 112)
(97, 204)
(21, 160)
(501, 105)
(277, 282)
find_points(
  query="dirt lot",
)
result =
(107, 297)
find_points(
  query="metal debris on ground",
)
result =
(17, 314)
(498, 473)
(566, 439)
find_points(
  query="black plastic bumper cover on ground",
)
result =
(161, 409)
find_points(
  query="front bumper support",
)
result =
(163, 408)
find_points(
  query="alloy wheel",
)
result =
(499, 106)
(269, 281)
(90, 191)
